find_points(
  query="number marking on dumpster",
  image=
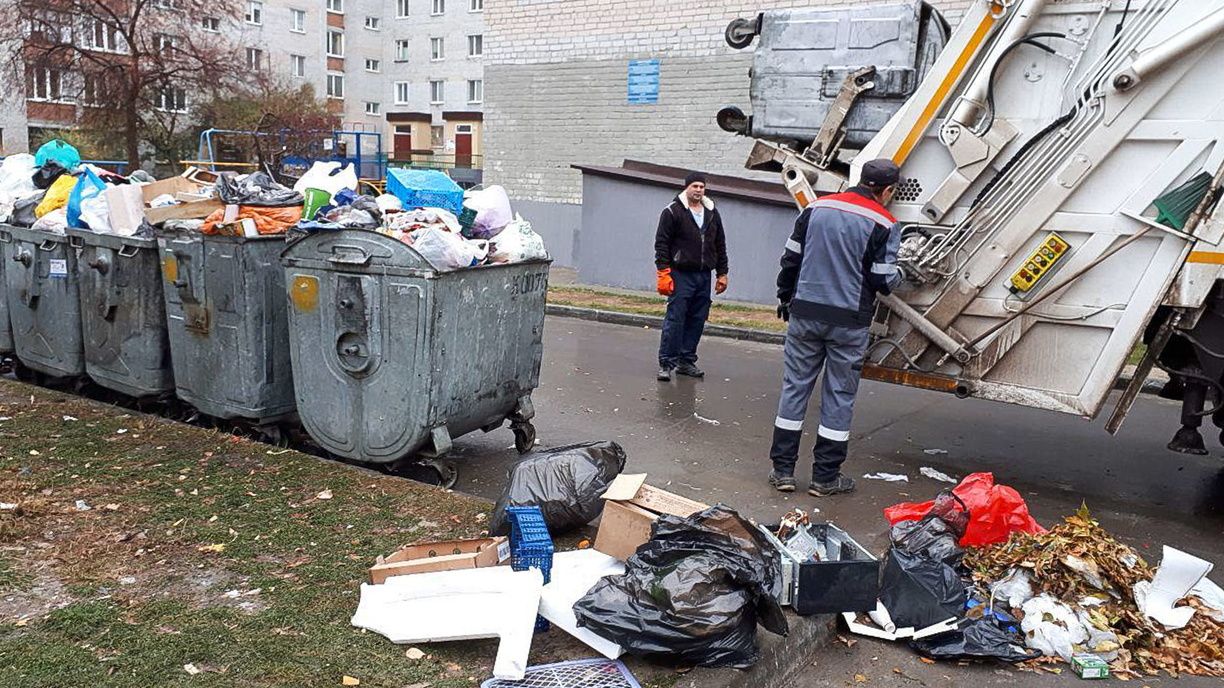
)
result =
(529, 284)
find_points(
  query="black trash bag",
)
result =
(566, 483)
(693, 594)
(920, 592)
(23, 210)
(937, 535)
(991, 636)
(46, 175)
(255, 189)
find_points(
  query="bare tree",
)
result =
(129, 66)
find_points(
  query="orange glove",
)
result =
(720, 285)
(666, 284)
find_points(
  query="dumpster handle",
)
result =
(47, 245)
(128, 251)
(339, 256)
(75, 242)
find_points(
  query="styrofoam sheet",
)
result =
(573, 576)
(494, 602)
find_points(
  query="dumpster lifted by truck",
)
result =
(1061, 166)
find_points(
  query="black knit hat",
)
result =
(693, 178)
(880, 174)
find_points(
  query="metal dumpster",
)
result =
(229, 336)
(123, 314)
(6, 327)
(393, 358)
(40, 273)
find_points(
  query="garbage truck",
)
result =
(1061, 166)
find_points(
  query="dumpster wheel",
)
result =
(524, 436)
(448, 473)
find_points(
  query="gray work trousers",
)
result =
(813, 346)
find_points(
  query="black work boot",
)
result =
(781, 481)
(839, 485)
(665, 374)
(689, 370)
(784, 453)
(1188, 441)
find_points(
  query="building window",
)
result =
(163, 43)
(401, 8)
(439, 7)
(476, 6)
(437, 49)
(255, 59)
(373, 66)
(475, 45)
(335, 44)
(164, 4)
(476, 91)
(373, 23)
(172, 99)
(335, 85)
(297, 65)
(373, 108)
(297, 21)
(254, 12)
(336, 6)
(437, 92)
(401, 93)
(105, 37)
(435, 136)
(212, 24)
(46, 84)
(401, 50)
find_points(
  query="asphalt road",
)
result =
(709, 440)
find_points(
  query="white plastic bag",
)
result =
(328, 176)
(517, 243)
(493, 212)
(1052, 627)
(17, 175)
(446, 250)
(54, 221)
(388, 203)
(95, 212)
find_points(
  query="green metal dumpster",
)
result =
(393, 358)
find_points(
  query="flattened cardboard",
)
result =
(126, 208)
(451, 555)
(171, 185)
(196, 210)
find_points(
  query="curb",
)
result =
(1150, 386)
(783, 659)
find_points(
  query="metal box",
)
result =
(123, 314)
(847, 579)
(805, 55)
(44, 306)
(229, 333)
(393, 357)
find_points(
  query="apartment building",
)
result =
(410, 70)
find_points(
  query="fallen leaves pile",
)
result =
(1079, 559)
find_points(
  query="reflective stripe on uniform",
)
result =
(786, 424)
(883, 269)
(793, 246)
(854, 210)
(835, 435)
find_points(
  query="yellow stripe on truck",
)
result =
(1206, 258)
(941, 94)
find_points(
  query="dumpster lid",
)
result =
(355, 250)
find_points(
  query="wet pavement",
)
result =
(709, 440)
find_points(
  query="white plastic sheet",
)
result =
(331, 177)
(1177, 575)
(494, 602)
(573, 576)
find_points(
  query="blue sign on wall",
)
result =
(643, 82)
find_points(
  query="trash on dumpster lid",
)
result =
(449, 555)
(631, 509)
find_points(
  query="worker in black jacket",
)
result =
(689, 244)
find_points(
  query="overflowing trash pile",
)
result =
(452, 229)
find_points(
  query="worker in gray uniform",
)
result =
(841, 254)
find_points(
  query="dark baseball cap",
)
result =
(880, 174)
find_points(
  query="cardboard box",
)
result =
(1089, 666)
(196, 210)
(169, 186)
(631, 508)
(126, 208)
(238, 228)
(451, 555)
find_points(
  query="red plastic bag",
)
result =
(995, 511)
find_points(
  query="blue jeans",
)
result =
(687, 310)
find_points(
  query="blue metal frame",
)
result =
(369, 160)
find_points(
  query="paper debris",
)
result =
(325, 494)
(82, 506)
(70, 418)
(888, 477)
(414, 653)
(191, 669)
(350, 681)
(935, 452)
(937, 475)
(703, 419)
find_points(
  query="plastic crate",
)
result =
(530, 546)
(425, 189)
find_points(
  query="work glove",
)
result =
(784, 311)
(720, 285)
(666, 284)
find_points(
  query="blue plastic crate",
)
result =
(531, 547)
(425, 189)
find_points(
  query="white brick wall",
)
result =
(555, 87)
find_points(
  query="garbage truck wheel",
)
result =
(524, 437)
